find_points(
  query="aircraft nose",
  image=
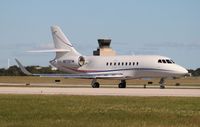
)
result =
(182, 70)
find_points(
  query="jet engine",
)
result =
(74, 61)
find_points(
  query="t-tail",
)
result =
(63, 46)
(66, 54)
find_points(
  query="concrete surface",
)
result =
(89, 86)
(101, 91)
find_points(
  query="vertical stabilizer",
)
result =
(61, 42)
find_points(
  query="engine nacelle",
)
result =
(74, 61)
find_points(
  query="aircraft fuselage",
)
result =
(135, 66)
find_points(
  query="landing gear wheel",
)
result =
(95, 85)
(162, 87)
(122, 84)
(162, 83)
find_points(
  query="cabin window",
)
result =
(126, 63)
(159, 61)
(114, 63)
(107, 64)
(122, 63)
(137, 63)
(129, 63)
(163, 61)
(133, 63)
(118, 63)
(110, 64)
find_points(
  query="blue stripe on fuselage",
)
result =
(143, 69)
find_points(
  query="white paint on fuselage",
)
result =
(148, 66)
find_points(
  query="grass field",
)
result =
(98, 111)
(192, 81)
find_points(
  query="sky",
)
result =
(156, 27)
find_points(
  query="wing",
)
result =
(80, 75)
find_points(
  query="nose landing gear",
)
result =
(162, 83)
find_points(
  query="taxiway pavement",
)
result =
(101, 91)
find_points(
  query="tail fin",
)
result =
(61, 42)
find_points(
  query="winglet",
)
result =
(23, 69)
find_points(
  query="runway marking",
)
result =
(101, 91)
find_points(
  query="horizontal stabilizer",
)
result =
(49, 50)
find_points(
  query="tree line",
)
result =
(15, 71)
(194, 72)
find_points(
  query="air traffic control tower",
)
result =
(104, 48)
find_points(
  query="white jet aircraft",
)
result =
(122, 67)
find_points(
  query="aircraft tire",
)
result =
(96, 85)
(122, 85)
(162, 87)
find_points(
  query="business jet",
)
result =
(120, 67)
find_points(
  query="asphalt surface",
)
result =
(101, 91)
(89, 86)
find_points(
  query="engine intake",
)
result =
(81, 61)
(74, 61)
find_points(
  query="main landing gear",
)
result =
(95, 84)
(122, 84)
(162, 83)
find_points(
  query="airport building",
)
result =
(104, 48)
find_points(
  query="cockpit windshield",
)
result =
(163, 61)
(166, 61)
